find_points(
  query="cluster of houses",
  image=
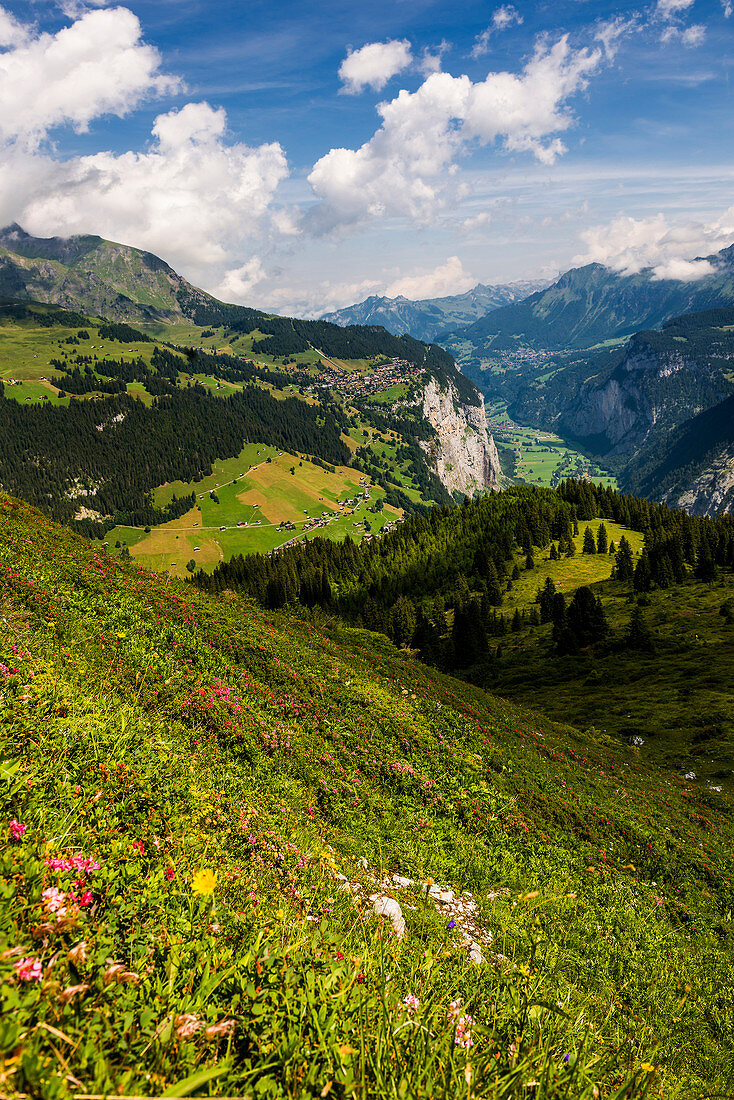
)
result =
(352, 385)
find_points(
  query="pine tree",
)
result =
(553, 552)
(589, 546)
(639, 635)
(624, 564)
(705, 564)
(601, 540)
(546, 601)
(642, 579)
(494, 592)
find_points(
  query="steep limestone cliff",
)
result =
(622, 414)
(710, 492)
(463, 454)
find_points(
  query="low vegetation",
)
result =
(185, 777)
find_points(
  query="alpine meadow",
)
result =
(366, 551)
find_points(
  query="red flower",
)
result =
(169, 873)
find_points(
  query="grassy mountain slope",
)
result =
(90, 274)
(105, 279)
(185, 744)
(100, 418)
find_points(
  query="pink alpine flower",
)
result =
(411, 1002)
(139, 845)
(54, 900)
(169, 873)
(28, 969)
(463, 1034)
(17, 829)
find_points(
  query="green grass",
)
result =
(267, 493)
(568, 574)
(677, 699)
(160, 732)
(389, 396)
(26, 351)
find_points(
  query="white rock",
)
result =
(475, 952)
(402, 881)
(388, 907)
(443, 897)
(362, 862)
(690, 775)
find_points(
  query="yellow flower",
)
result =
(204, 881)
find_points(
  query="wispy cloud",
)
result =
(503, 17)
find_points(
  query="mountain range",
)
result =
(427, 317)
(589, 305)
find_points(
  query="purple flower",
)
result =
(566, 1058)
(452, 924)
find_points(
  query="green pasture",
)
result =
(26, 351)
(543, 458)
(568, 574)
(34, 392)
(262, 494)
(677, 697)
(389, 396)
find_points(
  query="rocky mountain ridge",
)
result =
(592, 304)
(426, 318)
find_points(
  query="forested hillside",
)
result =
(208, 806)
(98, 415)
(576, 599)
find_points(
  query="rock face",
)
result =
(464, 454)
(711, 491)
(652, 391)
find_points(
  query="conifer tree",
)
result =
(642, 579)
(601, 540)
(639, 635)
(589, 546)
(624, 563)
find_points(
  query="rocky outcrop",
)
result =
(463, 454)
(710, 491)
(649, 393)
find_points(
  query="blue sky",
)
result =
(304, 156)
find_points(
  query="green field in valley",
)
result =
(541, 457)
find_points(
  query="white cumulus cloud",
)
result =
(374, 65)
(409, 166)
(447, 278)
(193, 198)
(99, 65)
(503, 17)
(12, 32)
(629, 245)
(238, 284)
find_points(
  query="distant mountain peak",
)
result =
(425, 318)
